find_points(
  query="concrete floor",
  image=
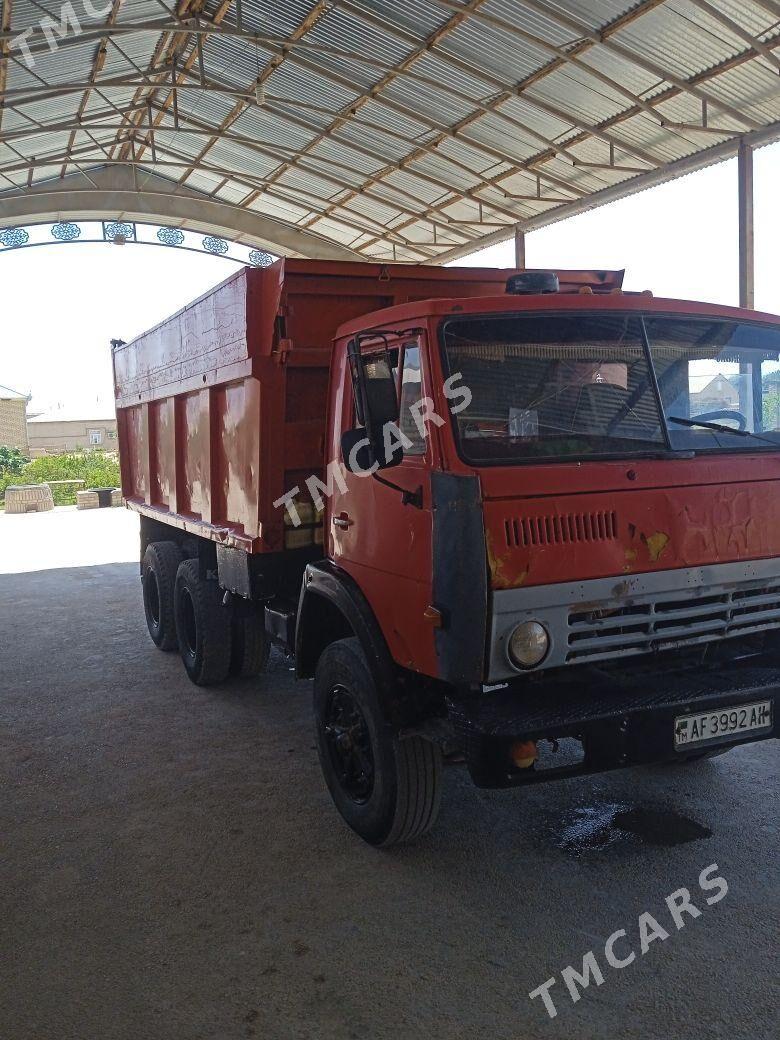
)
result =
(172, 867)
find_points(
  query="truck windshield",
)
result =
(555, 386)
(723, 374)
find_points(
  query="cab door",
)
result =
(380, 525)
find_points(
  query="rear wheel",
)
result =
(158, 577)
(388, 790)
(250, 645)
(202, 626)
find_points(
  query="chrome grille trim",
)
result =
(606, 619)
(671, 622)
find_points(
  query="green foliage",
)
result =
(95, 468)
(5, 480)
(771, 400)
(11, 460)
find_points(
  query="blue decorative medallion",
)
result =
(212, 244)
(257, 258)
(14, 236)
(118, 229)
(170, 236)
(66, 232)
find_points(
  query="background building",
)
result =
(713, 393)
(52, 433)
(13, 420)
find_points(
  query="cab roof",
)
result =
(420, 311)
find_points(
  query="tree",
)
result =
(11, 460)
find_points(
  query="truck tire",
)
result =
(202, 626)
(250, 645)
(158, 577)
(388, 790)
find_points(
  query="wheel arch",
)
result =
(332, 607)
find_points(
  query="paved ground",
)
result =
(172, 867)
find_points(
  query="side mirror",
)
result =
(376, 401)
(362, 457)
(356, 451)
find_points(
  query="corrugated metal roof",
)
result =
(404, 129)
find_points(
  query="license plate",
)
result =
(712, 727)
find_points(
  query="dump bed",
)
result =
(221, 408)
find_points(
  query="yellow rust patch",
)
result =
(500, 577)
(630, 559)
(656, 544)
(494, 563)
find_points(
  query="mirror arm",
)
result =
(409, 498)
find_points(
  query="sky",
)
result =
(61, 305)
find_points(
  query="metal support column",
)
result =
(747, 246)
(519, 247)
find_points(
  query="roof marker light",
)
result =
(532, 283)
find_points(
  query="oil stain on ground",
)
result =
(600, 826)
(660, 827)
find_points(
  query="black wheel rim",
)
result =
(190, 626)
(349, 745)
(153, 598)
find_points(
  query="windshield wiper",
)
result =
(720, 428)
(709, 426)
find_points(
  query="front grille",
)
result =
(522, 532)
(672, 621)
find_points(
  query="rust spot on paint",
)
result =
(495, 564)
(656, 544)
(501, 579)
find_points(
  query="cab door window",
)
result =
(410, 395)
(406, 364)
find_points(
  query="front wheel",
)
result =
(387, 789)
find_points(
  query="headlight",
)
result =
(528, 644)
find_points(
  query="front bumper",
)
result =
(621, 720)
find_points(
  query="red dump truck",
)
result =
(525, 521)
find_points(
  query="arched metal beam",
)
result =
(111, 193)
